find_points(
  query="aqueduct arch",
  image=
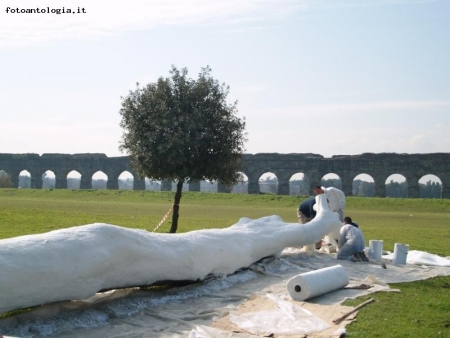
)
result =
(314, 166)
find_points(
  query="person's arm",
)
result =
(341, 198)
(333, 199)
(342, 237)
(312, 212)
(338, 198)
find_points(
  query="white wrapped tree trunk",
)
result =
(77, 262)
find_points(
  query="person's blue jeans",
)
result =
(348, 250)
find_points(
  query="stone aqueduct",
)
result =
(347, 167)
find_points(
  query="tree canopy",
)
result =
(183, 129)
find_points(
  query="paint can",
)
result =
(400, 253)
(375, 249)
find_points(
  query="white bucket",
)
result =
(375, 249)
(400, 253)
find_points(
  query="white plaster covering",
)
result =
(77, 262)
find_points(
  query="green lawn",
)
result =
(422, 309)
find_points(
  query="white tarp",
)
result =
(177, 312)
(287, 319)
(422, 258)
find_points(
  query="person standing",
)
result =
(335, 197)
(351, 242)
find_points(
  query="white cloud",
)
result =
(65, 136)
(109, 18)
(106, 18)
(249, 88)
(370, 107)
(349, 129)
(416, 139)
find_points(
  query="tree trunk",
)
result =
(176, 207)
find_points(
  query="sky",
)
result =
(330, 77)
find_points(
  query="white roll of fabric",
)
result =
(315, 283)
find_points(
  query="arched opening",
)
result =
(73, 180)
(430, 186)
(48, 180)
(299, 185)
(185, 186)
(396, 186)
(152, 185)
(208, 186)
(126, 181)
(99, 180)
(268, 183)
(5, 180)
(363, 186)
(331, 180)
(242, 186)
(24, 179)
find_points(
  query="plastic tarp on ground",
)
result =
(416, 257)
(205, 309)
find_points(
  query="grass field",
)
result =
(422, 309)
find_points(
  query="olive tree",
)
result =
(183, 130)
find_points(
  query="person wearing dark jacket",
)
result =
(305, 211)
(305, 214)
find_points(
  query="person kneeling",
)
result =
(351, 242)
